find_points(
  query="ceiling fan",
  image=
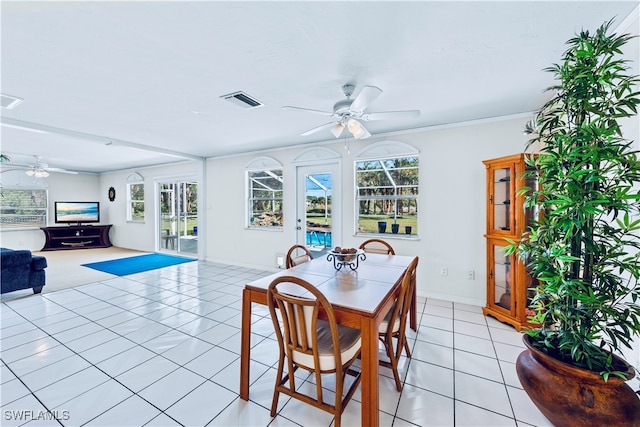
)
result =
(350, 114)
(41, 170)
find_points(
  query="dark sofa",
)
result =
(21, 270)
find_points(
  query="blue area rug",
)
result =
(137, 264)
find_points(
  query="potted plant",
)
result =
(584, 247)
(395, 227)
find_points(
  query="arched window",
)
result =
(135, 197)
(387, 189)
(264, 193)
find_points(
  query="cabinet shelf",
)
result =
(76, 237)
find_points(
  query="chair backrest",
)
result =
(377, 246)
(297, 254)
(296, 323)
(400, 310)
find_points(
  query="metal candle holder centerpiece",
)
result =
(350, 258)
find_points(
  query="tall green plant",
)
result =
(584, 248)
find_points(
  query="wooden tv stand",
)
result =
(76, 237)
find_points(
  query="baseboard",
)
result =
(453, 298)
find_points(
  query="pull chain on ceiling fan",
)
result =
(350, 113)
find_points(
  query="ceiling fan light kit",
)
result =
(349, 112)
(357, 130)
(337, 129)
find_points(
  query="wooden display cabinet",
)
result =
(508, 283)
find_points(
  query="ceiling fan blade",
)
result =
(318, 129)
(364, 98)
(324, 113)
(59, 170)
(388, 115)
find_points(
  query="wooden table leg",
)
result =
(369, 366)
(245, 344)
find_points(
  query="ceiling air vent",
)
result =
(243, 100)
(8, 101)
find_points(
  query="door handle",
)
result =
(298, 228)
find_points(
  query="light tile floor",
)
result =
(161, 348)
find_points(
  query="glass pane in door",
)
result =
(502, 199)
(502, 278)
(179, 217)
(318, 211)
(188, 217)
(168, 217)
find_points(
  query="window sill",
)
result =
(264, 228)
(20, 229)
(387, 236)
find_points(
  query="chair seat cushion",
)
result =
(382, 329)
(377, 250)
(299, 260)
(350, 343)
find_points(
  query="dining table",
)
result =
(360, 299)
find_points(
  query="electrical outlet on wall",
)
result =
(471, 275)
(444, 271)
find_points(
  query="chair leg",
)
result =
(276, 389)
(396, 375)
(406, 348)
(274, 402)
(394, 363)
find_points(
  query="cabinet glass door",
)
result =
(502, 279)
(501, 199)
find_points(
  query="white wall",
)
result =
(139, 235)
(62, 187)
(631, 129)
(451, 204)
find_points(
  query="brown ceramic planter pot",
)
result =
(570, 396)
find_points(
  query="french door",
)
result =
(178, 213)
(318, 210)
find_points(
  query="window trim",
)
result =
(131, 180)
(267, 165)
(380, 151)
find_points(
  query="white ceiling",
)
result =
(103, 81)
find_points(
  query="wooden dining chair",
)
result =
(298, 254)
(394, 324)
(377, 246)
(307, 342)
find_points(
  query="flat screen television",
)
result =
(77, 212)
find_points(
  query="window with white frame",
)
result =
(264, 194)
(387, 195)
(23, 201)
(135, 198)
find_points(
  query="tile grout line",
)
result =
(100, 369)
(504, 381)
